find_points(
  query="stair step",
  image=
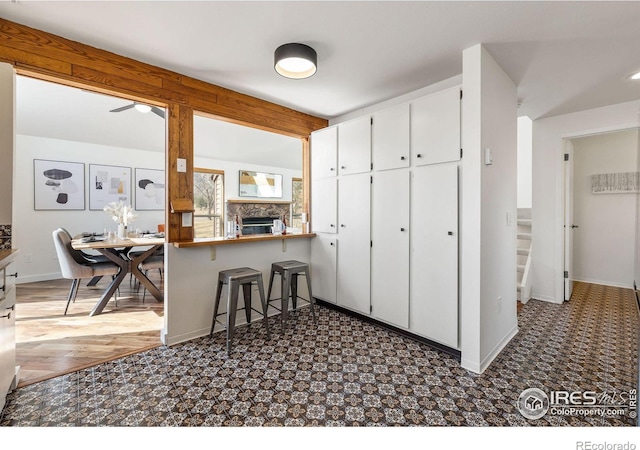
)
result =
(526, 222)
(524, 236)
(523, 251)
(520, 267)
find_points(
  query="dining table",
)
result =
(116, 250)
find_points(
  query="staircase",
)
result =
(524, 254)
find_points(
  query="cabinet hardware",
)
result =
(331, 244)
(402, 158)
(332, 169)
(13, 275)
(332, 226)
(401, 229)
(450, 233)
(419, 155)
(342, 225)
(343, 167)
(7, 316)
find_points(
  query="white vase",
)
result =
(121, 231)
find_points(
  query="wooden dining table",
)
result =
(112, 249)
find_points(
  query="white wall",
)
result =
(548, 189)
(603, 245)
(191, 286)
(7, 125)
(525, 146)
(489, 210)
(32, 229)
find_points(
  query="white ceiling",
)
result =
(564, 56)
(60, 112)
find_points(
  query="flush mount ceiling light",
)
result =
(295, 61)
(635, 76)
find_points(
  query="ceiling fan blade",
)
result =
(123, 108)
(158, 111)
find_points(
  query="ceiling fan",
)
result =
(141, 107)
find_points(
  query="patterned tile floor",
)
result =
(346, 372)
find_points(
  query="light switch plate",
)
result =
(182, 165)
(187, 219)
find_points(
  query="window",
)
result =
(208, 190)
(296, 203)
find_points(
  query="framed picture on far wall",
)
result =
(108, 184)
(150, 190)
(58, 185)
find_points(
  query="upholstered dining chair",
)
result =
(75, 267)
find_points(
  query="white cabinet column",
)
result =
(390, 250)
(434, 253)
(354, 238)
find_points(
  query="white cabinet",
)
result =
(390, 250)
(354, 146)
(390, 138)
(434, 253)
(324, 152)
(324, 254)
(324, 205)
(7, 334)
(435, 128)
(354, 237)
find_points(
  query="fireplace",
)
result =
(257, 225)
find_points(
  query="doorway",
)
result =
(601, 201)
(91, 130)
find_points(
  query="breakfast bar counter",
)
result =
(206, 242)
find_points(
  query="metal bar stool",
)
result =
(234, 278)
(289, 271)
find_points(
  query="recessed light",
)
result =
(635, 76)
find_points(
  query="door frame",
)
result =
(568, 198)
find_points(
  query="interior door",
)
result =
(569, 226)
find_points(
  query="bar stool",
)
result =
(289, 271)
(234, 278)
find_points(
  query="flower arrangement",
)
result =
(120, 212)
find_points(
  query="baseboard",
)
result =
(544, 298)
(481, 366)
(604, 283)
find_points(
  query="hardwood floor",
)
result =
(50, 344)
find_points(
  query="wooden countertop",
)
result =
(205, 242)
(7, 257)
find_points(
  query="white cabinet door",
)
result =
(324, 152)
(435, 128)
(354, 146)
(390, 138)
(434, 253)
(354, 236)
(390, 250)
(7, 343)
(324, 207)
(324, 253)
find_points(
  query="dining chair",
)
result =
(75, 267)
(153, 262)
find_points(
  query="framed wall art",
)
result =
(259, 184)
(58, 185)
(150, 189)
(108, 184)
